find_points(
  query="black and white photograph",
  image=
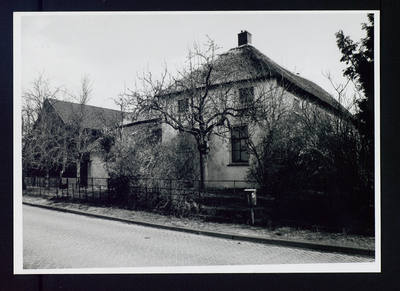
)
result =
(196, 142)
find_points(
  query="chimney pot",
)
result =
(244, 37)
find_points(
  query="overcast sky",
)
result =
(113, 48)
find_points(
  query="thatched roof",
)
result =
(246, 63)
(88, 116)
(261, 67)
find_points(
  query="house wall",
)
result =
(97, 170)
(219, 166)
(220, 172)
(219, 162)
(168, 132)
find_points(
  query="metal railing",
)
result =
(221, 199)
(106, 188)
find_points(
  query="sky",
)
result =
(114, 48)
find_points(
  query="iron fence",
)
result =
(221, 200)
(109, 189)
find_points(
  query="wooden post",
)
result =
(252, 214)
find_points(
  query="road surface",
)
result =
(57, 240)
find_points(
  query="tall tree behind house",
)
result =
(359, 56)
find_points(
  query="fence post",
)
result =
(94, 196)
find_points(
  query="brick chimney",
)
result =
(244, 37)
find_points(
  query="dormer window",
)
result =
(183, 105)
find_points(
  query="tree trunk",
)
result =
(202, 170)
(78, 172)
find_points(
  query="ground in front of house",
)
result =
(286, 233)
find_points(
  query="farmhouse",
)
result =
(221, 94)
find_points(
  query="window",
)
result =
(183, 105)
(239, 137)
(246, 96)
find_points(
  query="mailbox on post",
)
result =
(251, 196)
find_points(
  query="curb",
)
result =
(278, 242)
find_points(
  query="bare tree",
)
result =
(272, 136)
(43, 138)
(80, 136)
(200, 100)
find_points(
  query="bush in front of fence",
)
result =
(184, 199)
(162, 196)
(120, 188)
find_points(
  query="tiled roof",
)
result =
(86, 115)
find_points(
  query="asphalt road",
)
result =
(57, 240)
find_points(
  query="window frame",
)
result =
(238, 147)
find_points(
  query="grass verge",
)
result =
(285, 233)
